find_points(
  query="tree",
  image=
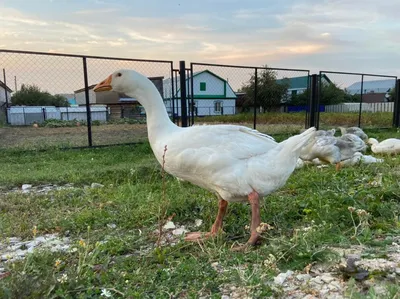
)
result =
(270, 93)
(392, 94)
(31, 95)
(331, 94)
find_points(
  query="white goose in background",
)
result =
(388, 146)
(236, 163)
(329, 149)
(359, 158)
(354, 130)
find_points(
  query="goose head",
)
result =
(142, 89)
(372, 141)
(123, 81)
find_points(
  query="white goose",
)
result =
(330, 149)
(388, 146)
(234, 162)
(354, 130)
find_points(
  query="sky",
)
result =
(338, 35)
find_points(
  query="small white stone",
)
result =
(179, 231)
(303, 277)
(327, 278)
(169, 225)
(112, 225)
(26, 187)
(281, 278)
(317, 280)
(96, 185)
(225, 297)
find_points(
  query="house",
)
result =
(70, 98)
(374, 91)
(298, 85)
(119, 105)
(3, 90)
(212, 95)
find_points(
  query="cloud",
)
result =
(96, 11)
(305, 34)
(24, 21)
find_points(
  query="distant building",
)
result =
(374, 91)
(212, 95)
(3, 90)
(298, 85)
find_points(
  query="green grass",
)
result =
(65, 134)
(126, 260)
(329, 119)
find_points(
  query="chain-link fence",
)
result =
(256, 97)
(47, 99)
(50, 99)
(353, 99)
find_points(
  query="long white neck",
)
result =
(158, 121)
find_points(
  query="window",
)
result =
(202, 86)
(217, 106)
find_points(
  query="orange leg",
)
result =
(217, 226)
(254, 199)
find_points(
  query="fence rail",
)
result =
(272, 100)
(365, 107)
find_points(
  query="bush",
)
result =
(127, 121)
(31, 95)
(58, 123)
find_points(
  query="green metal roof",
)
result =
(300, 82)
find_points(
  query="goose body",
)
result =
(359, 158)
(355, 131)
(231, 161)
(330, 149)
(388, 146)
(234, 162)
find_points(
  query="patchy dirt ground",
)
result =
(33, 138)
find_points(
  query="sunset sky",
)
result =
(356, 35)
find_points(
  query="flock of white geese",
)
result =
(346, 150)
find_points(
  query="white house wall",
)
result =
(3, 95)
(214, 86)
(205, 107)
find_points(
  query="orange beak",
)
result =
(104, 85)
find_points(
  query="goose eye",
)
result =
(119, 75)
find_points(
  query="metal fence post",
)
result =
(396, 108)
(314, 102)
(44, 113)
(172, 99)
(6, 92)
(361, 100)
(88, 112)
(191, 93)
(255, 98)
(182, 75)
(307, 118)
